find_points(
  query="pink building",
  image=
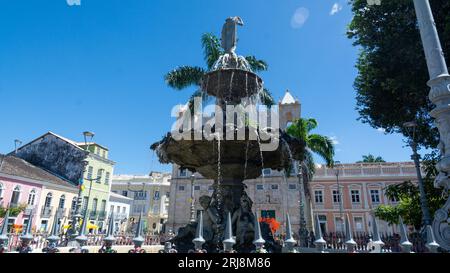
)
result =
(22, 184)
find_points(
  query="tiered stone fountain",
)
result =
(229, 162)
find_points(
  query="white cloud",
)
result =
(334, 140)
(381, 130)
(73, 2)
(299, 18)
(336, 8)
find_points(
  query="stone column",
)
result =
(440, 97)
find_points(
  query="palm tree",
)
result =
(371, 159)
(186, 76)
(315, 143)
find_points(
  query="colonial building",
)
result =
(120, 206)
(37, 191)
(83, 164)
(150, 194)
(355, 191)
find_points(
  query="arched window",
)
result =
(62, 201)
(31, 197)
(74, 204)
(48, 200)
(15, 196)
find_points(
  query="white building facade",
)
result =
(149, 196)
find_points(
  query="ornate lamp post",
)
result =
(192, 218)
(77, 215)
(439, 96)
(411, 130)
(341, 208)
(303, 231)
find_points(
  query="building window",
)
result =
(124, 210)
(74, 204)
(118, 209)
(318, 196)
(181, 188)
(268, 214)
(62, 201)
(267, 172)
(355, 196)
(90, 171)
(85, 203)
(103, 205)
(375, 196)
(323, 223)
(274, 187)
(31, 197)
(104, 154)
(1, 190)
(125, 193)
(15, 196)
(107, 175)
(359, 225)
(94, 204)
(260, 187)
(140, 195)
(196, 188)
(339, 224)
(156, 195)
(336, 196)
(183, 172)
(48, 200)
(167, 194)
(292, 186)
(99, 176)
(111, 208)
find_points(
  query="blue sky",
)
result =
(99, 66)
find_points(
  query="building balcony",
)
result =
(46, 212)
(93, 215)
(61, 212)
(120, 216)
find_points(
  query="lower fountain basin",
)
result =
(231, 84)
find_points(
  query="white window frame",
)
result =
(378, 195)
(336, 193)
(359, 196)
(31, 197)
(320, 195)
(259, 185)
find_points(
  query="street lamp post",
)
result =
(411, 130)
(303, 231)
(341, 209)
(77, 215)
(440, 97)
(135, 192)
(192, 218)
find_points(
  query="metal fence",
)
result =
(40, 240)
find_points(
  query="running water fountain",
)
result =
(229, 158)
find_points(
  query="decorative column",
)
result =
(192, 218)
(440, 97)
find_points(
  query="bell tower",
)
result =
(289, 110)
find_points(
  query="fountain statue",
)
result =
(229, 152)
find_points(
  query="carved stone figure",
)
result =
(210, 218)
(229, 34)
(243, 219)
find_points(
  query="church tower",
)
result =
(289, 110)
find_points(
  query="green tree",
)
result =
(408, 197)
(371, 159)
(315, 143)
(13, 211)
(186, 76)
(392, 73)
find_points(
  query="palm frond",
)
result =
(266, 98)
(184, 76)
(308, 165)
(256, 65)
(309, 124)
(211, 49)
(323, 146)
